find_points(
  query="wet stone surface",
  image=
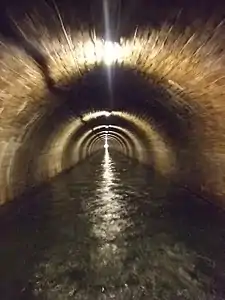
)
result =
(111, 229)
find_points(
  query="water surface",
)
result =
(111, 229)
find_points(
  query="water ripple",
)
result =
(112, 229)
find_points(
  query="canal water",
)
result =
(111, 229)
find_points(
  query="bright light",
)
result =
(107, 52)
(93, 115)
(101, 126)
(107, 114)
(111, 52)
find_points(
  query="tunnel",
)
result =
(112, 150)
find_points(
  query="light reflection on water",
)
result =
(106, 230)
(108, 223)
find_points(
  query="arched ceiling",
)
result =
(154, 91)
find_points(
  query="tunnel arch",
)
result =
(180, 108)
(127, 144)
(119, 145)
(137, 147)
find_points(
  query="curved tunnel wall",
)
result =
(176, 124)
(125, 145)
(132, 142)
(118, 145)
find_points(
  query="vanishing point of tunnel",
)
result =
(112, 150)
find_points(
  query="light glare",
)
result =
(107, 52)
(111, 52)
(93, 115)
(107, 114)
